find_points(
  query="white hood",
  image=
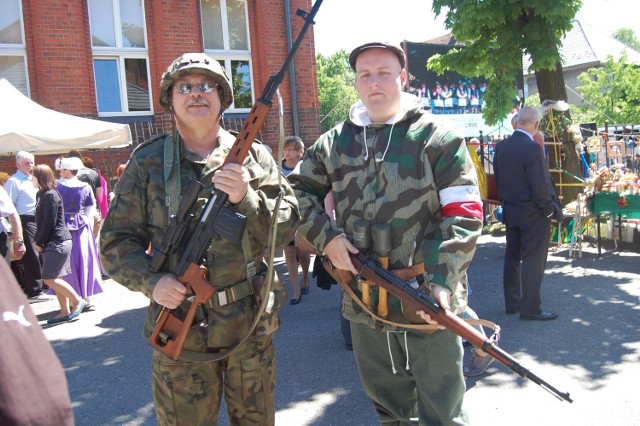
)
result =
(359, 116)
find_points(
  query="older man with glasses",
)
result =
(196, 90)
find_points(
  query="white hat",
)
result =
(71, 163)
(554, 105)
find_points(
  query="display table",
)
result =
(611, 203)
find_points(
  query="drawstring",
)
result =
(393, 367)
(384, 154)
(366, 147)
(406, 347)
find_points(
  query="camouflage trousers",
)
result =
(190, 393)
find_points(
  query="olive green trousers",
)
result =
(411, 375)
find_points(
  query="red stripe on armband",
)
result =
(470, 208)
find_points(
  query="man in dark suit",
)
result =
(529, 203)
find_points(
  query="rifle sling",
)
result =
(172, 180)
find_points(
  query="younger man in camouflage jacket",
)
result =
(392, 163)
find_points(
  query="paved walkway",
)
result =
(591, 351)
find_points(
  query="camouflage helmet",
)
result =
(190, 63)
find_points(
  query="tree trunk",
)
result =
(551, 87)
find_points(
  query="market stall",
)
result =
(615, 205)
(615, 192)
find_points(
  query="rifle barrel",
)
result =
(258, 114)
(275, 80)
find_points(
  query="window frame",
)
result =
(19, 50)
(226, 55)
(120, 54)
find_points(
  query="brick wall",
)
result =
(59, 55)
(61, 67)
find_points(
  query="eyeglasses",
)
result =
(186, 88)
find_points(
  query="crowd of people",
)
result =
(50, 239)
(463, 97)
(390, 162)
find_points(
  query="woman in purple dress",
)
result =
(79, 205)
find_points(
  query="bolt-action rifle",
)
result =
(419, 300)
(216, 221)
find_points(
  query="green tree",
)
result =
(533, 101)
(495, 34)
(628, 37)
(583, 114)
(613, 91)
(336, 90)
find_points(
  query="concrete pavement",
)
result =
(591, 351)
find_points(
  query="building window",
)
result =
(120, 57)
(225, 27)
(13, 53)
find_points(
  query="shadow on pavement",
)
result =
(598, 327)
(598, 331)
(109, 375)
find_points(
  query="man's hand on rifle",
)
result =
(338, 251)
(443, 297)
(169, 292)
(232, 179)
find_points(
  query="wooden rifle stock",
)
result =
(170, 333)
(420, 300)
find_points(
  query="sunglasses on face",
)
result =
(186, 88)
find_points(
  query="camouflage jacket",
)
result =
(138, 217)
(413, 173)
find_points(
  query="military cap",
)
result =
(394, 48)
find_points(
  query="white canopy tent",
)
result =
(28, 126)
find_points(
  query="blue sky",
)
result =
(349, 23)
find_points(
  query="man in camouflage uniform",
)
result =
(188, 392)
(392, 163)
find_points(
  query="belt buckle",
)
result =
(222, 298)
